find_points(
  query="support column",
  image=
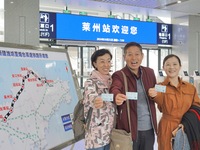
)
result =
(22, 22)
(194, 43)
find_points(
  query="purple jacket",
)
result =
(148, 81)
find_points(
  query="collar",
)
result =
(167, 81)
(139, 72)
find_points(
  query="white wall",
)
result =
(186, 44)
(180, 45)
(194, 43)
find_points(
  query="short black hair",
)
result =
(170, 56)
(98, 53)
(132, 44)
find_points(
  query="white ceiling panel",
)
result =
(160, 8)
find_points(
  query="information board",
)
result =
(164, 34)
(61, 26)
(89, 28)
(47, 25)
(37, 98)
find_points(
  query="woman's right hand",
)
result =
(120, 98)
(98, 102)
(152, 92)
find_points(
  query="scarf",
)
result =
(106, 79)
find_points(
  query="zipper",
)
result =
(120, 116)
(148, 107)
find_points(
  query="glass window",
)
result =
(118, 58)
(87, 65)
(163, 53)
(153, 60)
(144, 61)
(75, 59)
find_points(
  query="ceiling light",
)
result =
(178, 2)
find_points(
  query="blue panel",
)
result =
(67, 126)
(164, 32)
(66, 118)
(88, 28)
(47, 25)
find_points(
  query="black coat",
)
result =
(191, 122)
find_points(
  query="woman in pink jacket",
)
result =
(98, 135)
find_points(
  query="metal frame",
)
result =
(28, 47)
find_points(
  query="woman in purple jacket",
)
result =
(142, 109)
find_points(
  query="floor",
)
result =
(80, 145)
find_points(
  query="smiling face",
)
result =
(172, 67)
(103, 64)
(133, 57)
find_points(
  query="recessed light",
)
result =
(178, 2)
(11, 2)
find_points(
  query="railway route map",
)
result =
(37, 98)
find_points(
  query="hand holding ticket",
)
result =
(107, 97)
(160, 88)
(132, 95)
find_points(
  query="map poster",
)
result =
(37, 98)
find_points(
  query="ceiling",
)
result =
(175, 12)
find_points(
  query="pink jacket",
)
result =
(102, 119)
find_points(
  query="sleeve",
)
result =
(90, 93)
(117, 85)
(196, 100)
(159, 100)
(154, 78)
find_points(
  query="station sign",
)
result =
(99, 29)
(47, 25)
(62, 26)
(164, 34)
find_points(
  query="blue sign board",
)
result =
(88, 28)
(66, 118)
(67, 126)
(47, 25)
(164, 34)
